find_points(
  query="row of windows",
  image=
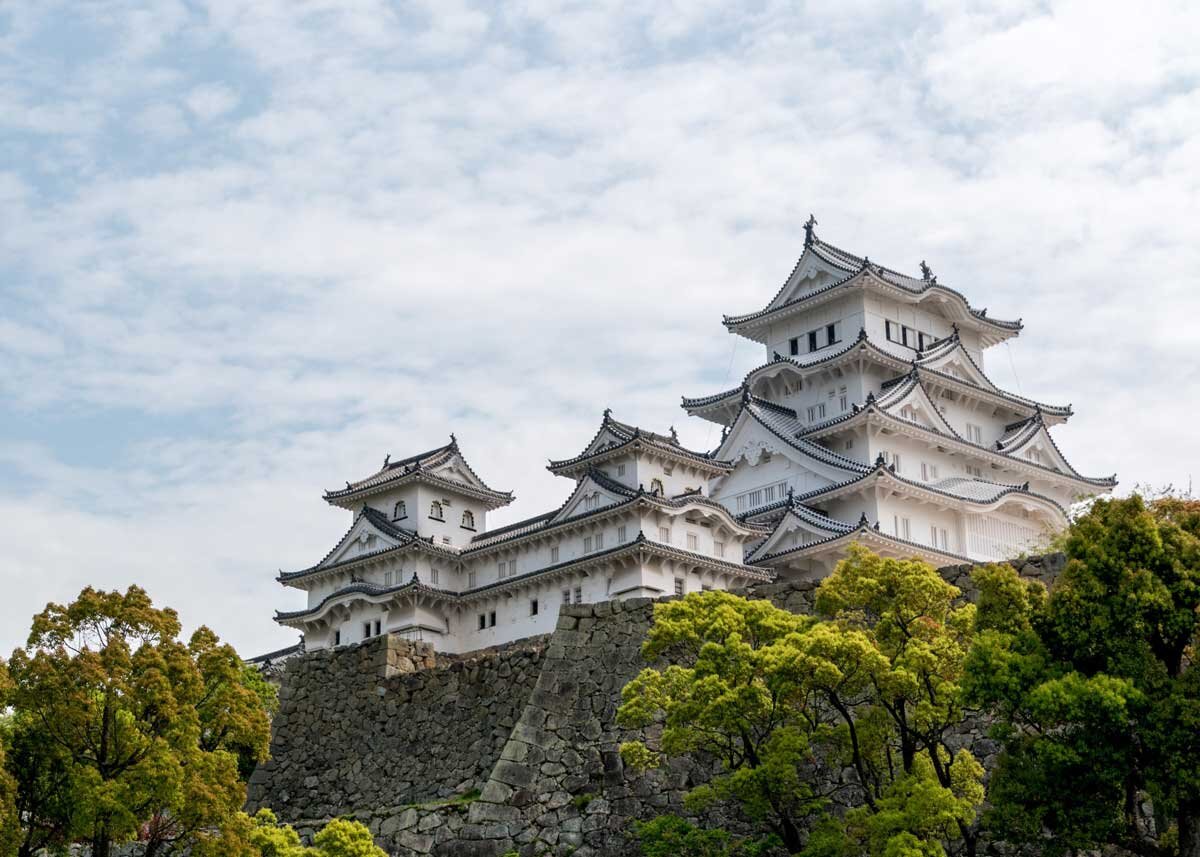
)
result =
(820, 410)
(938, 536)
(929, 471)
(436, 512)
(761, 496)
(904, 335)
(815, 340)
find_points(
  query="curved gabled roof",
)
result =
(783, 424)
(421, 468)
(855, 267)
(366, 589)
(626, 437)
(866, 533)
(976, 492)
(881, 408)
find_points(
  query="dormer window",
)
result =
(656, 487)
(400, 511)
(468, 520)
(435, 511)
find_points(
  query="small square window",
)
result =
(620, 469)
(691, 541)
(554, 554)
(719, 548)
(664, 535)
(566, 593)
(621, 533)
(679, 586)
(578, 594)
(587, 544)
(599, 540)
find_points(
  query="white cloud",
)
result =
(500, 222)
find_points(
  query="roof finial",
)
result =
(453, 439)
(880, 461)
(608, 413)
(927, 273)
(386, 459)
(674, 436)
(862, 521)
(809, 224)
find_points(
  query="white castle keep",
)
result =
(872, 421)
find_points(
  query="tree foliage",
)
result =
(873, 683)
(1096, 686)
(121, 730)
(261, 835)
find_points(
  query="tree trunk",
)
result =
(1188, 819)
(100, 843)
(789, 834)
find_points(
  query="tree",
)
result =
(262, 835)
(874, 686)
(909, 617)
(1095, 686)
(9, 829)
(132, 731)
(731, 694)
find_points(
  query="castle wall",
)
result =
(540, 743)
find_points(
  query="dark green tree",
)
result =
(1095, 687)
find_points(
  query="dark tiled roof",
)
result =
(420, 467)
(364, 588)
(628, 435)
(854, 266)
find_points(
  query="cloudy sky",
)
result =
(249, 248)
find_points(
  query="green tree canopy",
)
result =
(1096, 685)
(873, 683)
(121, 729)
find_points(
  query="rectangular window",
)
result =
(977, 472)
(812, 340)
(554, 554)
(794, 345)
(387, 578)
(831, 334)
(621, 533)
(492, 619)
(933, 534)
(620, 469)
(599, 541)
(679, 586)
(704, 587)
(503, 568)
(719, 548)
(664, 535)
(578, 594)
(445, 540)
(377, 626)
(482, 621)
(691, 541)
(337, 638)
(769, 494)
(889, 328)
(906, 336)
(945, 539)
(783, 489)
(587, 544)
(566, 596)
(533, 607)
(433, 575)
(756, 498)
(906, 528)
(922, 341)
(470, 580)
(366, 630)
(843, 399)
(974, 433)
(896, 461)
(741, 503)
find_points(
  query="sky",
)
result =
(249, 249)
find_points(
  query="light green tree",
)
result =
(135, 731)
(872, 684)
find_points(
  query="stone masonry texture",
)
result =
(524, 735)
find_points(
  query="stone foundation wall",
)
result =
(553, 783)
(388, 723)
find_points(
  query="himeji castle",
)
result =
(871, 421)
